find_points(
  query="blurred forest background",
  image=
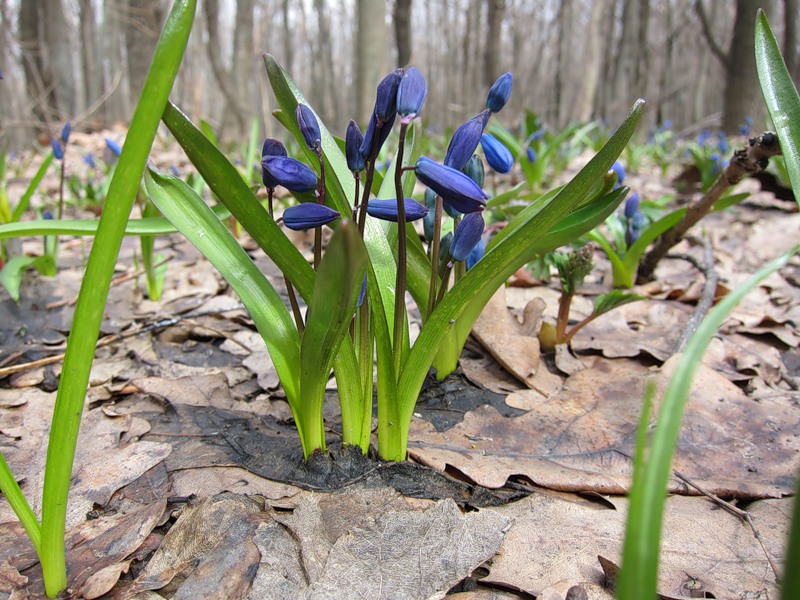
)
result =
(85, 60)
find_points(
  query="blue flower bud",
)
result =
(722, 145)
(288, 172)
(635, 227)
(620, 171)
(474, 170)
(455, 188)
(499, 93)
(444, 248)
(47, 215)
(386, 99)
(362, 293)
(411, 94)
(308, 125)
(387, 209)
(477, 253)
(632, 205)
(65, 131)
(539, 133)
(273, 147)
(88, 160)
(530, 154)
(58, 149)
(465, 140)
(115, 148)
(308, 216)
(352, 142)
(467, 235)
(383, 133)
(497, 155)
(428, 222)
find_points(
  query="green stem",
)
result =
(563, 316)
(437, 233)
(400, 284)
(445, 281)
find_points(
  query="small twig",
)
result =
(736, 511)
(749, 160)
(706, 300)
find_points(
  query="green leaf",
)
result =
(11, 274)
(192, 217)
(613, 299)
(94, 289)
(331, 311)
(639, 575)
(25, 201)
(781, 97)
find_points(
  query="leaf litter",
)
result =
(178, 493)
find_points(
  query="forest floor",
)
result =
(188, 480)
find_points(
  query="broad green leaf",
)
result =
(25, 201)
(331, 311)
(781, 97)
(501, 261)
(613, 299)
(195, 220)
(11, 274)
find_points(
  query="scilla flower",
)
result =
(288, 172)
(465, 140)
(273, 147)
(467, 235)
(632, 205)
(455, 188)
(352, 142)
(387, 209)
(411, 94)
(308, 125)
(499, 93)
(308, 216)
(497, 155)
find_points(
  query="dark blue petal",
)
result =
(455, 188)
(530, 154)
(465, 140)
(352, 144)
(58, 149)
(273, 147)
(383, 132)
(499, 93)
(497, 155)
(308, 215)
(362, 293)
(65, 131)
(386, 99)
(411, 93)
(620, 171)
(308, 125)
(477, 253)
(632, 205)
(467, 235)
(387, 209)
(288, 172)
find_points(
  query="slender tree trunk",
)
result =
(58, 58)
(92, 74)
(38, 86)
(402, 31)
(563, 59)
(245, 62)
(371, 52)
(118, 106)
(141, 33)
(288, 54)
(493, 31)
(627, 77)
(214, 52)
(592, 63)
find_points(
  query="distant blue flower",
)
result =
(47, 215)
(174, 170)
(748, 120)
(467, 235)
(499, 93)
(703, 137)
(308, 125)
(666, 125)
(88, 159)
(722, 143)
(744, 130)
(632, 205)
(387, 209)
(477, 253)
(1, 75)
(58, 149)
(455, 188)
(65, 131)
(411, 94)
(288, 172)
(636, 225)
(474, 170)
(539, 133)
(465, 140)
(273, 147)
(497, 155)
(530, 154)
(352, 142)
(620, 171)
(716, 165)
(115, 148)
(308, 216)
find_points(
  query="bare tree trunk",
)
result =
(244, 58)
(30, 42)
(402, 31)
(492, 56)
(58, 58)
(92, 74)
(592, 63)
(605, 90)
(143, 21)
(119, 104)
(288, 54)
(627, 77)
(371, 52)
(791, 14)
(214, 52)
(563, 59)
(666, 69)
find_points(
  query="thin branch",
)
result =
(715, 48)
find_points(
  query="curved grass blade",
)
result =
(94, 289)
(781, 97)
(25, 201)
(639, 575)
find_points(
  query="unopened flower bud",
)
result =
(474, 170)
(455, 188)
(477, 253)
(411, 94)
(497, 155)
(352, 142)
(499, 93)
(632, 205)
(465, 140)
(58, 149)
(114, 147)
(386, 99)
(308, 125)
(273, 147)
(308, 216)
(65, 131)
(288, 172)
(467, 235)
(387, 209)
